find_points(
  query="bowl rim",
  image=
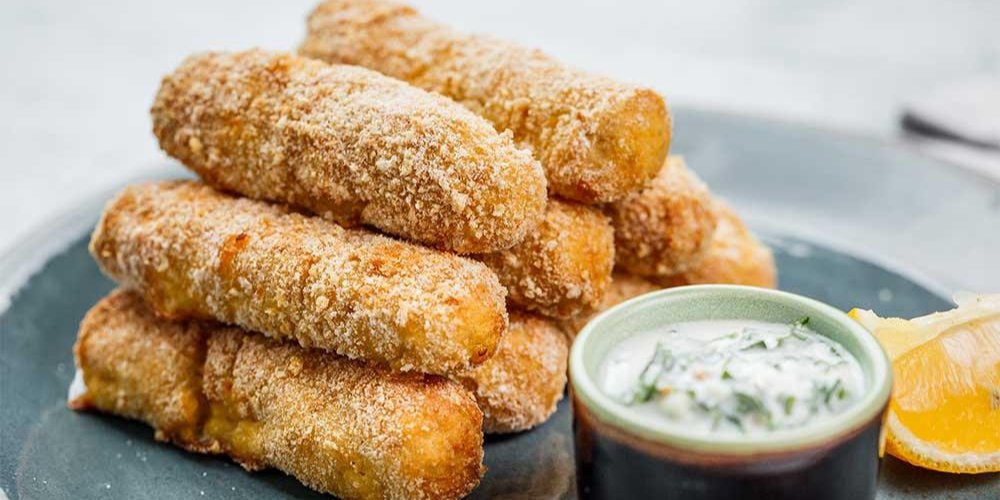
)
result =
(662, 432)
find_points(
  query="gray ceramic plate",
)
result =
(811, 193)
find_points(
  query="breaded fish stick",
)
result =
(735, 257)
(339, 426)
(351, 145)
(598, 139)
(665, 228)
(623, 286)
(563, 266)
(194, 252)
(519, 386)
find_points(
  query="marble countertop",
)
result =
(79, 76)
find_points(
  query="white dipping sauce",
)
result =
(733, 376)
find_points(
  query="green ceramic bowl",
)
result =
(618, 448)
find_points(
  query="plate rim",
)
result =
(892, 142)
(26, 256)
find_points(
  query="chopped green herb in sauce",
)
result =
(733, 376)
(789, 404)
(646, 385)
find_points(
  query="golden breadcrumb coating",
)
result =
(623, 286)
(665, 228)
(519, 387)
(194, 252)
(598, 139)
(351, 145)
(562, 267)
(339, 426)
(735, 257)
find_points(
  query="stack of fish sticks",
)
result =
(393, 233)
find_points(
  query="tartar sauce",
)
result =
(733, 376)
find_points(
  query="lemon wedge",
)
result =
(945, 409)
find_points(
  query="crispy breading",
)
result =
(623, 286)
(339, 426)
(562, 267)
(598, 139)
(519, 387)
(194, 252)
(351, 145)
(667, 227)
(735, 257)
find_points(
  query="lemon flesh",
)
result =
(945, 410)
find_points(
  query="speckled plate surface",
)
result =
(812, 195)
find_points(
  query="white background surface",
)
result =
(78, 77)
